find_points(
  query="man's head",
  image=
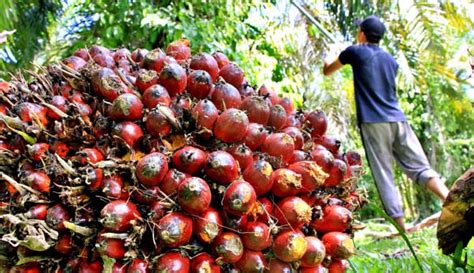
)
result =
(371, 30)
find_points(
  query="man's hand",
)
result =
(331, 61)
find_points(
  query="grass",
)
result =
(392, 255)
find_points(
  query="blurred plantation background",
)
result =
(276, 46)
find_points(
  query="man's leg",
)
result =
(412, 159)
(377, 140)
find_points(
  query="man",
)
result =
(386, 135)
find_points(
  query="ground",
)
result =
(393, 255)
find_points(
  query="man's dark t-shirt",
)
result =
(374, 82)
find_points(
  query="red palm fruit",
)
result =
(353, 158)
(29, 112)
(128, 131)
(338, 266)
(242, 154)
(256, 109)
(246, 90)
(331, 143)
(175, 229)
(314, 269)
(204, 61)
(231, 126)
(221, 59)
(124, 67)
(159, 121)
(312, 175)
(119, 268)
(56, 216)
(83, 109)
(221, 167)
(154, 95)
(286, 182)
(225, 96)
(252, 262)
(95, 177)
(208, 225)
(25, 268)
(293, 120)
(256, 135)
(315, 252)
(277, 266)
(59, 102)
(155, 60)
(287, 104)
(127, 107)
(170, 182)
(338, 245)
(112, 187)
(138, 266)
(269, 94)
(145, 79)
(173, 262)
(189, 159)
(119, 215)
(39, 181)
(256, 236)
(258, 174)
(97, 49)
(232, 74)
(64, 244)
(104, 60)
(181, 104)
(151, 169)
(111, 247)
(289, 246)
(297, 136)
(173, 78)
(37, 212)
(74, 62)
(157, 211)
(292, 211)
(298, 156)
(278, 117)
(323, 158)
(279, 145)
(82, 53)
(228, 246)
(179, 50)
(108, 84)
(239, 198)
(38, 151)
(121, 54)
(204, 263)
(335, 218)
(199, 84)
(336, 174)
(60, 148)
(232, 221)
(147, 195)
(205, 115)
(90, 267)
(194, 195)
(317, 123)
(264, 209)
(138, 55)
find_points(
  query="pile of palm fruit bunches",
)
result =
(160, 161)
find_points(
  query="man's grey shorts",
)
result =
(386, 141)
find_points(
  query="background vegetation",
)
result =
(276, 46)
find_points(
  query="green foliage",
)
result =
(391, 255)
